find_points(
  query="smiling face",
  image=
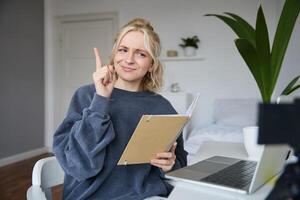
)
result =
(132, 61)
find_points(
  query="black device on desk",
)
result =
(280, 124)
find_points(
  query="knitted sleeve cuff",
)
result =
(99, 104)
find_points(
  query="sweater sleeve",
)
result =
(181, 154)
(80, 141)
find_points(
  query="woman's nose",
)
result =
(130, 57)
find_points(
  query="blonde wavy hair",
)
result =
(153, 80)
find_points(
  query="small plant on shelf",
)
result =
(190, 42)
(189, 45)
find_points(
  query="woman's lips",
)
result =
(127, 69)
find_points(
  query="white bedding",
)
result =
(229, 118)
(214, 132)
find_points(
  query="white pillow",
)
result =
(235, 112)
(212, 132)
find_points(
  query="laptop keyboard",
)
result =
(237, 175)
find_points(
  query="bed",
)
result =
(229, 118)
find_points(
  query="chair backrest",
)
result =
(46, 174)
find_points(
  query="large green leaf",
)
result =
(249, 30)
(254, 45)
(263, 52)
(249, 54)
(239, 28)
(283, 33)
(290, 88)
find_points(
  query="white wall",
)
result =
(222, 74)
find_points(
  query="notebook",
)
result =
(155, 134)
(236, 175)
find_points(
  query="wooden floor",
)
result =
(15, 179)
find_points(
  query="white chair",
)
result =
(46, 174)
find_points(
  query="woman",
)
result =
(102, 117)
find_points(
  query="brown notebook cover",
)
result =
(153, 134)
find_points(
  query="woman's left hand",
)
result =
(165, 160)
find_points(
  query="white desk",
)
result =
(191, 191)
(196, 192)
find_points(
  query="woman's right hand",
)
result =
(104, 77)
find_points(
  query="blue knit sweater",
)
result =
(92, 137)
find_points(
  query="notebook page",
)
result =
(193, 105)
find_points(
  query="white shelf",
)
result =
(181, 58)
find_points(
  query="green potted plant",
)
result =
(263, 61)
(253, 44)
(189, 45)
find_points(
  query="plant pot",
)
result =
(284, 99)
(189, 51)
(253, 149)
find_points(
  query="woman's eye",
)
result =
(122, 50)
(141, 55)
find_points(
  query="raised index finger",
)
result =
(98, 59)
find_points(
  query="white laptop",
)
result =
(236, 175)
